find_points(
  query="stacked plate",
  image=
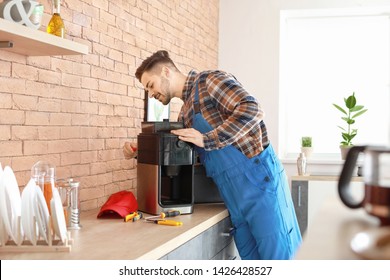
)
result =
(26, 215)
(3, 232)
(58, 216)
(35, 214)
(10, 207)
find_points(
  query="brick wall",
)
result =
(77, 111)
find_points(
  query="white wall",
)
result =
(249, 48)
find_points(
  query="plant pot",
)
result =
(344, 151)
(307, 151)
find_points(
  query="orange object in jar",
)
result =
(48, 193)
(44, 175)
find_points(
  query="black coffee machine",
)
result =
(165, 170)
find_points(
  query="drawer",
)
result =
(228, 253)
(206, 245)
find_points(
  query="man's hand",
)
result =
(190, 135)
(130, 150)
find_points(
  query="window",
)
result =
(324, 57)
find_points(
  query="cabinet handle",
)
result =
(299, 196)
(227, 234)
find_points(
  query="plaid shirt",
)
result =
(234, 114)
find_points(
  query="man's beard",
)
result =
(165, 84)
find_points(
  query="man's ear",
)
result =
(165, 71)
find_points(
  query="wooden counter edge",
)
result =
(176, 242)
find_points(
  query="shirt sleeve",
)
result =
(239, 110)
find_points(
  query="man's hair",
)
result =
(158, 58)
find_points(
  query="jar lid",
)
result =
(43, 169)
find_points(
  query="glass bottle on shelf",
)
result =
(56, 25)
(301, 164)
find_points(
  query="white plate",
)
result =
(372, 244)
(58, 217)
(28, 214)
(10, 204)
(41, 213)
(3, 231)
(5, 219)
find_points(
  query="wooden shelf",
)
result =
(31, 42)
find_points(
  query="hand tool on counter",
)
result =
(134, 216)
(168, 222)
(163, 215)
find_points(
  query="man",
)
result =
(225, 123)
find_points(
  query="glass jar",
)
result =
(44, 175)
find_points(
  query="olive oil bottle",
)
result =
(56, 25)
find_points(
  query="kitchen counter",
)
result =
(113, 239)
(332, 230)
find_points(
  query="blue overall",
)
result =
(256, 193)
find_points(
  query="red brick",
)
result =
(49, 132)
(5, 133)
(25, 102)
(107, 110)
(48, 105)
(24, 71)
(88, 157)
(11, 117)
(80, 170)
(60, 65)
(20, 132)
(71, 80)
(96, 144)
(70, 132)
(81, 19)
(49, 76)
(80, 119)
(70, 158)
(6, 100)
(12, 85)
(60, 119)
(35, 147)
(5, 68)
(11, 148)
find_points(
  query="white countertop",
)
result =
(332, 230)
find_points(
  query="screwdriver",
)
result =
(163, 215)
(134, 216)
(168, 223)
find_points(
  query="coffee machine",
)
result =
(165, 170)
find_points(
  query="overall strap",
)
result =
(196, 99)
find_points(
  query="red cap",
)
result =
(121, 203)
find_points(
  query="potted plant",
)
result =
(350, 111)
(306, 146)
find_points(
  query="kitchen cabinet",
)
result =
(30, 42)
(215, 243)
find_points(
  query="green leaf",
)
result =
(342, 128)
(359, 113)
(349, 120)
(351, 101)
(341, 109)
(345, 136)
(356, 108)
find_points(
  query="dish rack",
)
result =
(54, 244)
